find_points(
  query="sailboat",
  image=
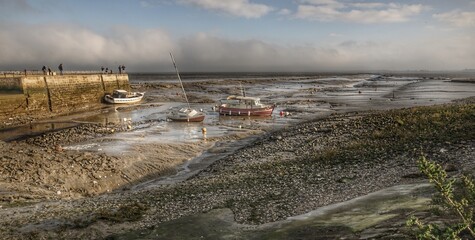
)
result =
(185, 114)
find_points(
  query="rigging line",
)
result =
(179, 78)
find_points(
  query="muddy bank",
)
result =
(342, 152)
(284, 173)
(51, 166)
(41, 168)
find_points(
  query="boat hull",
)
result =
(226, 111)
(191, 119)
(186, 115)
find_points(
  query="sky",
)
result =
(238, 35)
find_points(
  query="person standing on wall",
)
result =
(60, 67)
(44, 70)
(120, 69)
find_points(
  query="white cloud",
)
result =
(205, 52)
(240, 8)
(328, 3)
(335, 35)
(329, 10)
(368, 5)
(448, 53)
(457, 18)
(284, 11)
(32, 46)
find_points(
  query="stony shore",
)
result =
(280, 174)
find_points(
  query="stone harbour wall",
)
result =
(58, 94)
(10, 85)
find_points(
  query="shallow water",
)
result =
(298, 96)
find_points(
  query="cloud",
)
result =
(336, 35)
(284, 12)
(206, 52)
(32, 46)
(240, 8)
(447, 53)
(457, 18)
(154, 3)
(368, 5)
(78, 48)
(211, 53)
(328, 3)
(330, 10)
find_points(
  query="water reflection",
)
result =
(303, 99)
(33, 129)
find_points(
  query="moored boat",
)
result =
(186, 115)
(123, 96)
(244, 106)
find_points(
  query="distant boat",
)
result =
(186, 114)
(123, 96)
(244, 106)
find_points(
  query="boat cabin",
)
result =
(124, 94)
(119, 94)
(242, 102)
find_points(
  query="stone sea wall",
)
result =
(36, 95)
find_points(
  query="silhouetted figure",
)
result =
(49, 71)
(44, 70)
(60, 67)
(107, 70)
(120, 69)
(123, 68)
(102, 68)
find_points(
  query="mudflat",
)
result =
(338, 140)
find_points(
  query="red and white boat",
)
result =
(244, 106)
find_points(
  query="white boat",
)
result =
(123, 96)
(186, 114)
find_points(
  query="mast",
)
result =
(178, 75)
(242, 90)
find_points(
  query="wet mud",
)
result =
(106, 156)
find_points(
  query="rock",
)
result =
(450, 167)
(58, 148)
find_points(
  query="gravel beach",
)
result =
(273, 176)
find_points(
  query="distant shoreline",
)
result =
(472, 80)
